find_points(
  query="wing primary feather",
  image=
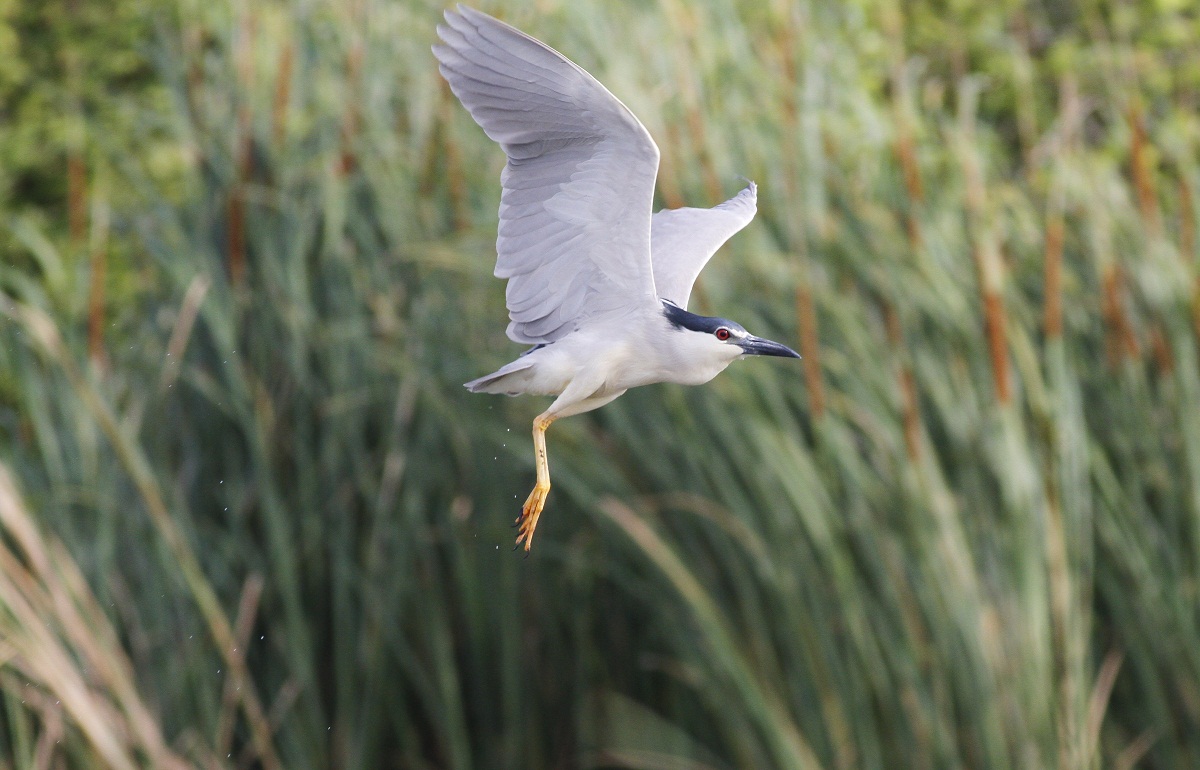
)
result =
(684, 240)
(574, 238)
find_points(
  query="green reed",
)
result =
(967, 535)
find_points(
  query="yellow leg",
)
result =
(537, 498)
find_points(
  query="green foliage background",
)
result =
(251, 519)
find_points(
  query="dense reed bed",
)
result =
(251, 519)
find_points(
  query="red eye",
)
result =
(722, 334)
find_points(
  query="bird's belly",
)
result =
(637, 368)
(604, 368)
(608, 362)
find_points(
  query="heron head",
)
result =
(720, 338)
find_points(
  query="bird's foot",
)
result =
(527, 521)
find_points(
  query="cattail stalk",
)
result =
(905, 144)
(712, 183)
(906, 154)
(236, 205)
(790, 46)
(1143, 175)
(236, 211)
(1187, 221)
(98, 259)
(76, 196)
(1196, 308)
(1070, 117)
(1187, 241)
(1160, 349)
(352, 118)
(905, 151)
(683, 18)
(1055, 234)
(669, 178)
(909, 405)
(997, 336)
(1121, 340)
(456, 183)
(985, 248)
(76, 167)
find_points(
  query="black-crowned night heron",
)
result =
(596, 284)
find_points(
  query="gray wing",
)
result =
(683, 240)
(574, 235)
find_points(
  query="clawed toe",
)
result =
(527, 521)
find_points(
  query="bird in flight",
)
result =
(596, 284)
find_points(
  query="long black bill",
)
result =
(757, 346)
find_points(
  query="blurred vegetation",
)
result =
(251, 519)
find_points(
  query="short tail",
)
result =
(508, 379)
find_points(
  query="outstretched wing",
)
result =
(683, 240)
(574, 236)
